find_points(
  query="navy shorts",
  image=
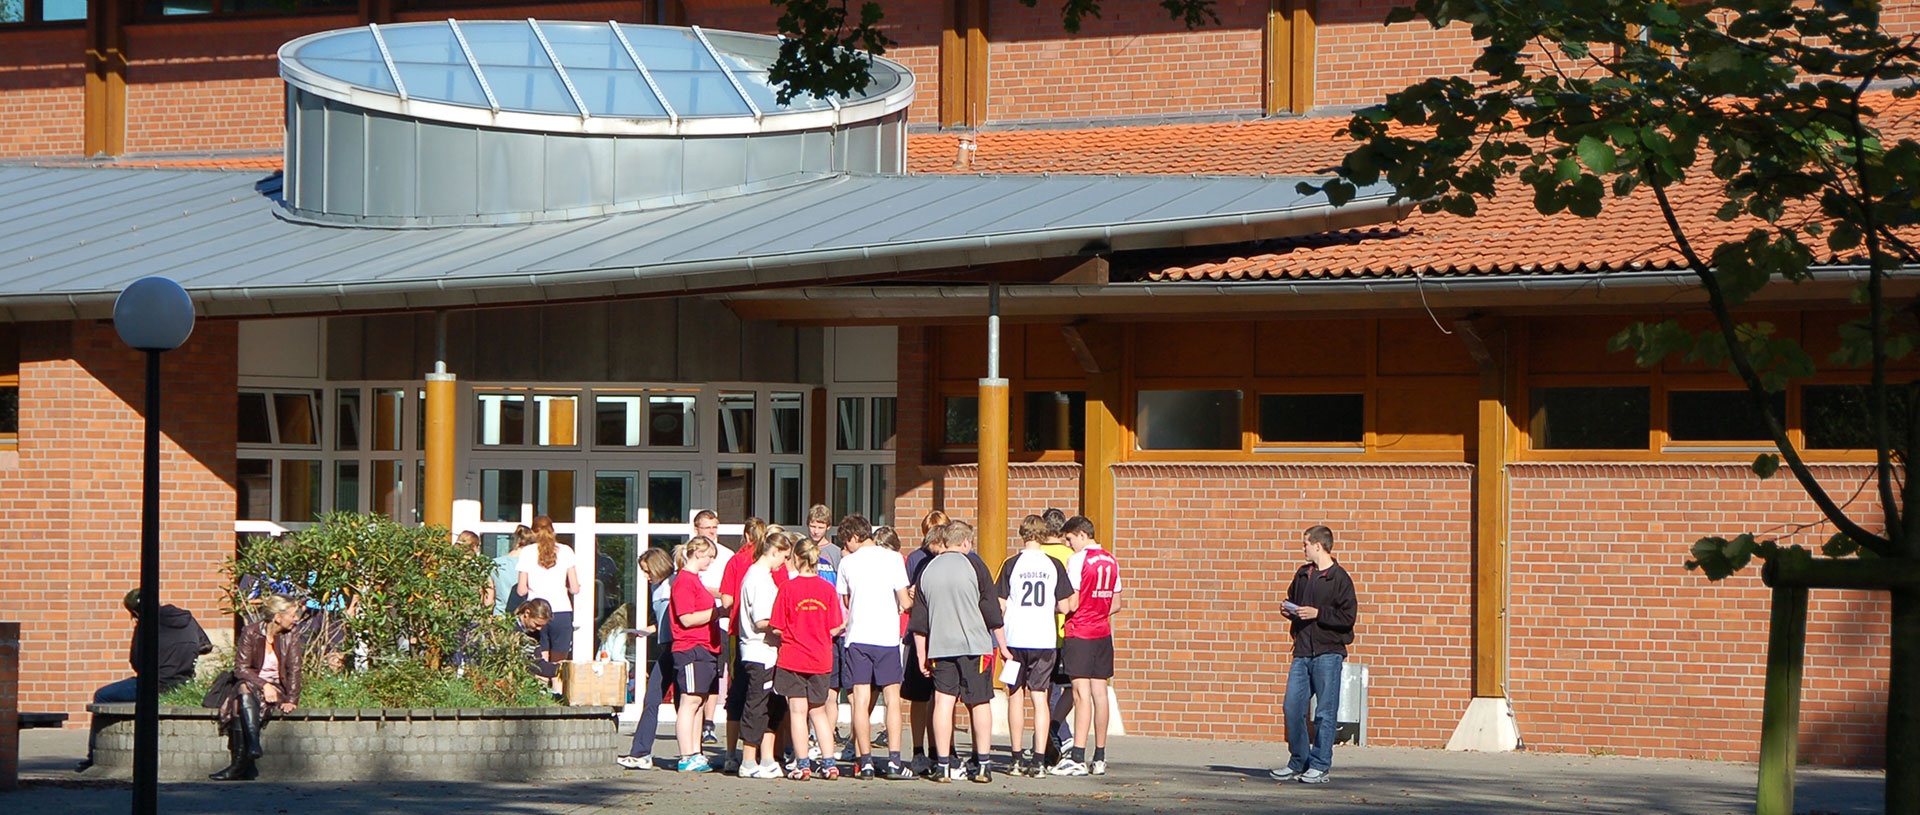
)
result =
(877, 665)
(696, 671)
(557, 637)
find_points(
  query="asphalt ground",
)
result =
(1147, 775)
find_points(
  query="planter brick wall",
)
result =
(440, 744)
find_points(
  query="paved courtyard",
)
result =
(1148, 776)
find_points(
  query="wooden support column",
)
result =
(994, 443)
(1097, 348)
(442, 391)
(104, 130)
(1488, 723)
(963, 64)
(1289, 55)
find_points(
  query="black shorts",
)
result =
(1036, 668)
(877, 665)
(761, 710)
(915, 686)
(1088, 659)
(696, 671)
(962, 677)
(792, 685)
(737, 689)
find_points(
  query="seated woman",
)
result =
(266, 672)
(535, 615)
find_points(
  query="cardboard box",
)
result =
(594, 683)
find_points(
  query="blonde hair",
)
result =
(689, 550)
(936, 538)
(754, 530)
(549, 545)
(887, 538)
(657, 564)
(1033, 528)
(277, 604)
(522, 538)
(806, 554)
(819, 514)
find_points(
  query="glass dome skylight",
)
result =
(584, 77)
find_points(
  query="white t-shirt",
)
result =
(548, 584)
(757, 594)
(718, 569)
(868, 579)
(1031, 583)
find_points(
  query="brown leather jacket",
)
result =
(252, 649)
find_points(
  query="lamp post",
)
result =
(154, 315)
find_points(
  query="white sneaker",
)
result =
(1097, 767)
(635, 762)
(1068, 766)
(765, 769)
(1314, 777)
(745, 770)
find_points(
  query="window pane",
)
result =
(56, 10)
(557, 417)
(1189, 420)
(1313, 417)
(500, 419)
(670, 421)
(299, 491)
(553, 495)
(850, 419)
(390, 408)
(1600, 418)
(882, 425)
(294, 416)
(255, 427)
(1838, 417)
(788, 433)
(880, 494)
(346, 423)
(736, 422)
(1719, 416)
(420, 418)
(733, 491)
(616, 497)
(501, 494)
(346, 486)
(962, 422)
(786, 509)
(420, 489)
(255, 490)
(10, 409)
(668, 494)
(1056, 420)
(389, 485)
(846, 489)
(616, 421)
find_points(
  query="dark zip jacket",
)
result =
(181, 642)
(1331, 591)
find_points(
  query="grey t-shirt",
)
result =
(957, 607)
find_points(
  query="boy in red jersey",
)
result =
(695, 620)
(1087, 651)
(807, 616)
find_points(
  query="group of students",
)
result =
(796, 619)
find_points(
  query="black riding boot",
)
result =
(236, 748)
(250, 722)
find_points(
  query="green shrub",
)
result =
(416, 633)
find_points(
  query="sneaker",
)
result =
(813, 751)
(1068, 766)
(846, 752)
(940, 775)
(1282, 774)
(733, 765)
(897, 772)
(695, 764)
(764, 769)
(635, 762)
(879, 737)
(865, 773)
(800, 772)
(1097, 767)
(707, 736)
(1052, 755)
(1314, 777)
(983, 773)
(920, 765)
(84, 765)
(830, 771)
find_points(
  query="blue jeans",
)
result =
(659, 677)
(1318, 677)
(117, 693)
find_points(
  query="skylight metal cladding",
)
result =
(553, 76)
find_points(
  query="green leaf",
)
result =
(1766, 464)
(1839, 546)
(1597, 154)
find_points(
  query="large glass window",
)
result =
(1840, 417)
(346, 424)
(1056, 420)
(787, 505)
(961, 420)
(736, 421)
(1590, 418)
(671, 420)
(42, 11)
(850, 421)
(1313, 418)
(1188, 420)
(1720, 416)
(789, 429)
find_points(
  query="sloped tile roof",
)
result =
(1507, 237)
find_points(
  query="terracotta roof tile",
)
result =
(1507, 237)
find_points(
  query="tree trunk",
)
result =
(1903, 705)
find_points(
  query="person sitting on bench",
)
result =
(182, 641)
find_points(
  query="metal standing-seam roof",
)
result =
(72, 238)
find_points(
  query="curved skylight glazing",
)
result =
(573, 76)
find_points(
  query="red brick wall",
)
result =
(74, 496)
(1360, 60)
(955, 490)
(1616, 647)
(1133, 61)
(42, 92)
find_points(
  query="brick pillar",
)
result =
(9, 706)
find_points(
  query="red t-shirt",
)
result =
(690, 596)
(730, 580)
(806, 612)
(1098, 582)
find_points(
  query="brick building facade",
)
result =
(1605, 629)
